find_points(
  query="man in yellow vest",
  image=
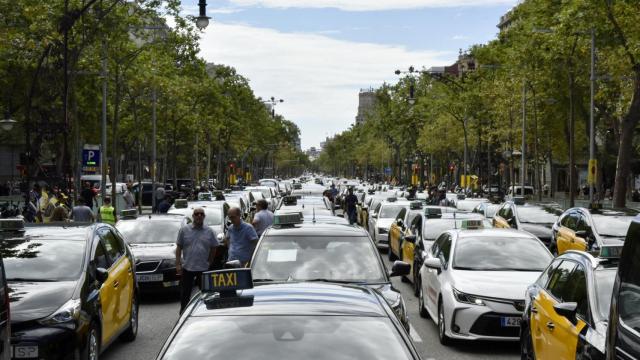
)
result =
(107, 213)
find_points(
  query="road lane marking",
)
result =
(414, 334)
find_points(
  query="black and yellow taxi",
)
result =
(590, 229)
(72, 290)
(288, 320)
(566, 310)
(623, 338)
(400, 228)
(535, 218)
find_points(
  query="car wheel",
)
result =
(442, 326)
(526, 347)
(422, 309)
(92, 347)
(132, 330)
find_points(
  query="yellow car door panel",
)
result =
(394, 238)
(121, 284)
(108, 294)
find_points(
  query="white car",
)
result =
(474, 282)
(381, 219)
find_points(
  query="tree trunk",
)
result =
(625, 152)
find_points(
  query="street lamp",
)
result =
(412, 87)
(202, 21)
(273, 102)
(7, 124)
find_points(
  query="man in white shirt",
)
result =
(263, 218)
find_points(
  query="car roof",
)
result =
(493, 232)
(316, 229)
(158, 217)
(612, 212)
(300, 299)
(79, 231)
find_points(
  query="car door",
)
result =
(128, 285)
(108, 290)
(119, 271)
(373, 218)
(546, 322)
(500, 219)
(409, 248)
(395, 232)
(441, 250)
(565, 238)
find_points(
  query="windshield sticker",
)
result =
(287, 255)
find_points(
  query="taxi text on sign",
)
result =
(227, 280)
(593, 172)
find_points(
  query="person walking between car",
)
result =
(81, 212)
(263, 218)
(241, 238)
(107, 213)
(88, 195)
(350, 203)
(195, 250)
(129, 202)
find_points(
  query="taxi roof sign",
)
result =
(227, 282)
(129, 213)
(433, 212)
(11, 224)
(415, 205)
(287, 219)
(392, 199)
(471, 224)
(610, 251)
(180, 203)
(518, 200)
(204, 196)
(290, 200)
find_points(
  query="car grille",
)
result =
(489, 325)
(147, 266)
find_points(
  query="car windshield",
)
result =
(604, 279)
(489, 253)
(390, 211)
(351, 259)
(42, 259)
(288, 337)
(435, 227)
(145, 232)
(536, 215)
(614, 226)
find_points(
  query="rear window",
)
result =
(141, 232)
(42, 260)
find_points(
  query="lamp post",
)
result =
(411, 73)
(202, 21)
(273, 102)
(7, 125)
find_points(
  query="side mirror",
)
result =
(400, 268)
(582, 234)
(374, 216)
(102, 275)
(410, 238)
(567, 309)
(400, 223)
(433, 263)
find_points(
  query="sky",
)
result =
(316, 55)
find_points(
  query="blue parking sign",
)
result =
(387, 171)
(90, 157)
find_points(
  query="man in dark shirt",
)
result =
(88, 195)
(350, 202)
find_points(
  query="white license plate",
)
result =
(149, 278)
(510, 321)
(25, 352)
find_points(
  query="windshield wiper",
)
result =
(328, 280)
(31, 280)
(264, 280)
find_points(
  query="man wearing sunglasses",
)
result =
(195, 251)
(242, 238)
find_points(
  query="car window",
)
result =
(401, 214)
(508, 212)
(582, 224)
(629, 273)
(445, 249)
(544, 277)
(435, 248)
(559, 279)
(100, 258)
(576, 291)
(112, 245)
(571, 221)
(42, 258)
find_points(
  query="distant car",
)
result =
(152, 240)
(536, 218)
(516, 191)
(567, 309)
(588, 230)
(381, 219)
(469, 204)
(73, 290)
(474, 282)
(321, 252)
(624, 316)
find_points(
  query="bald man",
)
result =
(241, 237)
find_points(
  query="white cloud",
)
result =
(460, 37)
(370, 5)
(318, 77)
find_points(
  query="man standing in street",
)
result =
(241, 237)
(107, 213)
(159, 197)
(196, 245)
(81, 212)
(88, 195)
(263, 218)
(129, 202)
(350, 202)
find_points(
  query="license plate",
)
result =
(25, 352)
(510, 321)
(149, 278)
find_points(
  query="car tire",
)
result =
(442, 325)
(526, 346)
(91, 349)
(131, 332)
(422, 309)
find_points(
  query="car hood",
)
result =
(143, 252)
(509, 285)
(36, 300)
(541, 231)
(384, 223)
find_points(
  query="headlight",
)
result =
(66, 315)
(382, 231)
(467, 299)
(397, 304)
(167, 264)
